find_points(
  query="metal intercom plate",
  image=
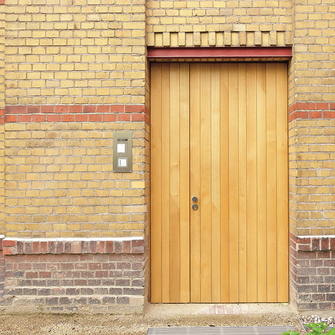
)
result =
(122, 152)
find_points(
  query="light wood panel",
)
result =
(156, 176)
(224, 174)
(232, 190)
(216, 182)
(221, 135)
(282, 186)
(205, 196)
(170, 188)
(184, 188)
(165, 183)
(261, 183)
(252, 284)
(195, 227)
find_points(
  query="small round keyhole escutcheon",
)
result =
(194, 199)
(195, 207)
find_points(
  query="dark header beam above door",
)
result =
(228, 52)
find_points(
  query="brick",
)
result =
(72, 291)
(8, 243)
(108, 300)
(109, 118)
(94, 301)
(122, 117)
(47, 109)
(89, 109)
(61, 109)
(67, 118)
(122, 300)
(51, 301)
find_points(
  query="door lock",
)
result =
(195, 207)
(194, 199)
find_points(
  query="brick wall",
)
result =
(312, 272)
(75, 72)
(59, 175)
(75, 52)
(311, 100)
(87, 275)
(218, 23)
(312, 175)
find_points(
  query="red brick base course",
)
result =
(312, 272)
(73, 276)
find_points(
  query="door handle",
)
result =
(195, 206)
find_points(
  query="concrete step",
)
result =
(219, 330)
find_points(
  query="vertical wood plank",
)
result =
(282, 186)
(271, 185)
(251, 184)
(224, 124)
(174, 185)
(242, 182)
(165, 185)
(233, 183)
(195, 140)
(261, 182)
(205, 201)
(184, 122)
(216, 182)
(156, 205)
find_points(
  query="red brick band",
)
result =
(315, 243)
(15, 247)
(311, 110)
(75, 113)
(217, 52)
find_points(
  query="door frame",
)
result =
(276, 54)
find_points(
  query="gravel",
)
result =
(132, 324)
(330, 321)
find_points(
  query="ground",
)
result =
(131, 324)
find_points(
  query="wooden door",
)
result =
(219, 132)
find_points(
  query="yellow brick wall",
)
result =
(312, 177)
(313, 52)
(84, 52)
(207, 23)
(75, 52)
(312, 92)
(60, 181)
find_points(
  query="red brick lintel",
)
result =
(218, 52)
(313, 243)
(84, 246)
(312, 110)
(75, 113)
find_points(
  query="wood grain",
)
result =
(219, 132)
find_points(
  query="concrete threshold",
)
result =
(154, 310)
(219, 330)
